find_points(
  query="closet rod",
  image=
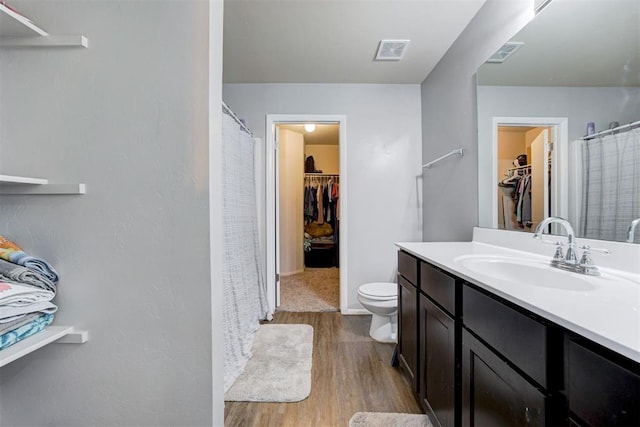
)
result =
(229, 111)
(320, 175)
(622, 128)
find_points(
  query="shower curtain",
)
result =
(244, 285)
(610, 185)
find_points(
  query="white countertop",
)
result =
(608, 314)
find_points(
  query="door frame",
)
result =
(271, 228)
(559, 175)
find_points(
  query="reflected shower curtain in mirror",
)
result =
(610, 185)
(244, 284)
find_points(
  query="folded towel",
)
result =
(11, 252)
(17, 273)
(23, 320)
(9, 338)
(9, 314)
(16, 295)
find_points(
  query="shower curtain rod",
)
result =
(229, 111)
(622, 128)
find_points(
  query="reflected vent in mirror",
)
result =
(504, 52)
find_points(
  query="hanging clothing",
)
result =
(320, 196)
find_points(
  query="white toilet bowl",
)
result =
(381, 300)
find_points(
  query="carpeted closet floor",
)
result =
(315, 289)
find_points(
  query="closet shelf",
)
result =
(60, 334)
(16, 30)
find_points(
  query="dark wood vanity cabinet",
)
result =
(511, 365)
(408, 351)
(439, 362)
(602, 388)
(437, 366)
(476, 359)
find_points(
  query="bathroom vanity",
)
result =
(491, 336)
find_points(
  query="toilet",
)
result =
(381, 300)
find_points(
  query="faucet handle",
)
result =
(586, 265)
(589, 249)
(558, 257)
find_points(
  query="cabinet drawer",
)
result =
(600, 392)
(408, 267)
(439, 286)
(519, 338)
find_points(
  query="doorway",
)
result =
(306, 212)
(528, 171)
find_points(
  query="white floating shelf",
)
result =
(42, 190)
(45, 41)
(10, 179)
(61, 334)
(13, 24)
(17, 30)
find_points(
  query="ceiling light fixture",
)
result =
(310, 127)
(391, 50)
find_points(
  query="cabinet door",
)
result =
(493, 394)
(601, 392)
(408, 330)
(437, 362)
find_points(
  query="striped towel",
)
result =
(11, 252)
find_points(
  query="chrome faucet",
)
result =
(632, 229)
(569, 261)
(570, 258)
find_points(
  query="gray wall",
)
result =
(450, 193)
(383, 161)
(128, 117)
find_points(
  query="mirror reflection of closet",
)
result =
(524, 177)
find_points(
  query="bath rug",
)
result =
(388, 419)
(280, 366)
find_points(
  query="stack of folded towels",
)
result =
(27, 286)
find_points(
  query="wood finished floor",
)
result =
(350, 373)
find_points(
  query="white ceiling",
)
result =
(575, 43)
(335, 41)
(324, 134)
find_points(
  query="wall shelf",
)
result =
(60, 334)
(17, 30)
(13, 24)
(11, 179)
(20, 189)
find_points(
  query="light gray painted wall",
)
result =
(450, 193)
(128, 117)
(383, 151)
(578, 104)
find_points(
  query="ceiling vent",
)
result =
(504, 52)
(391, 50)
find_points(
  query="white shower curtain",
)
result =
(610, 185)
(243, 279)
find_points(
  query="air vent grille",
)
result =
(391, 50)
(505, 52)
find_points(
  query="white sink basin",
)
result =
(526, 272)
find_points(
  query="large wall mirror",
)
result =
(558, 121)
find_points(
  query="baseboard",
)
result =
(291, 273)
(355, 312)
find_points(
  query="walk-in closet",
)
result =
(309, 211)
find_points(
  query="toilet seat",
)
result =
(379, 291)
